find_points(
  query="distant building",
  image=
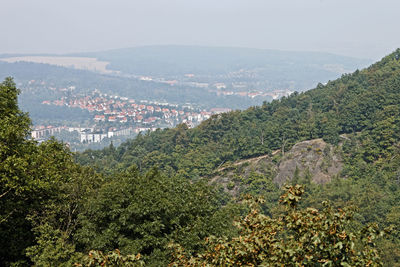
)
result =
(88, 136)
(220, 85)
(40, 132)
(114, 132)
(219, 110)
(99, 118)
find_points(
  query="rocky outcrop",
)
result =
(314, 158)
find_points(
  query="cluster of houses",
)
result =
(115, 109)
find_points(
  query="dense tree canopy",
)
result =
(33, 179)
(297, 237)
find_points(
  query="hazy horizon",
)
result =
(364, 29)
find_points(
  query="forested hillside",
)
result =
(149, 201)
(361, 111)
(355, 103)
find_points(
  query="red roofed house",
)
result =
(99, 118)
(139, 118)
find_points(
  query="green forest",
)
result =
(155, 200)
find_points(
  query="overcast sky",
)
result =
(362, 28)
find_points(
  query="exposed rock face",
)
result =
(314, 158)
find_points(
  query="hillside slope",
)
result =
(363, 108)
(353, 103)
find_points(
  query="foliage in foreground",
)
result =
(113, 258)
(33, 179)
(298, 237)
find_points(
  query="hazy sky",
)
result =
(363, 28)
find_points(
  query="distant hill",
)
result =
(175, 60)
(303, 69)
(271, 69)
(86, 81)
(120, 72)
